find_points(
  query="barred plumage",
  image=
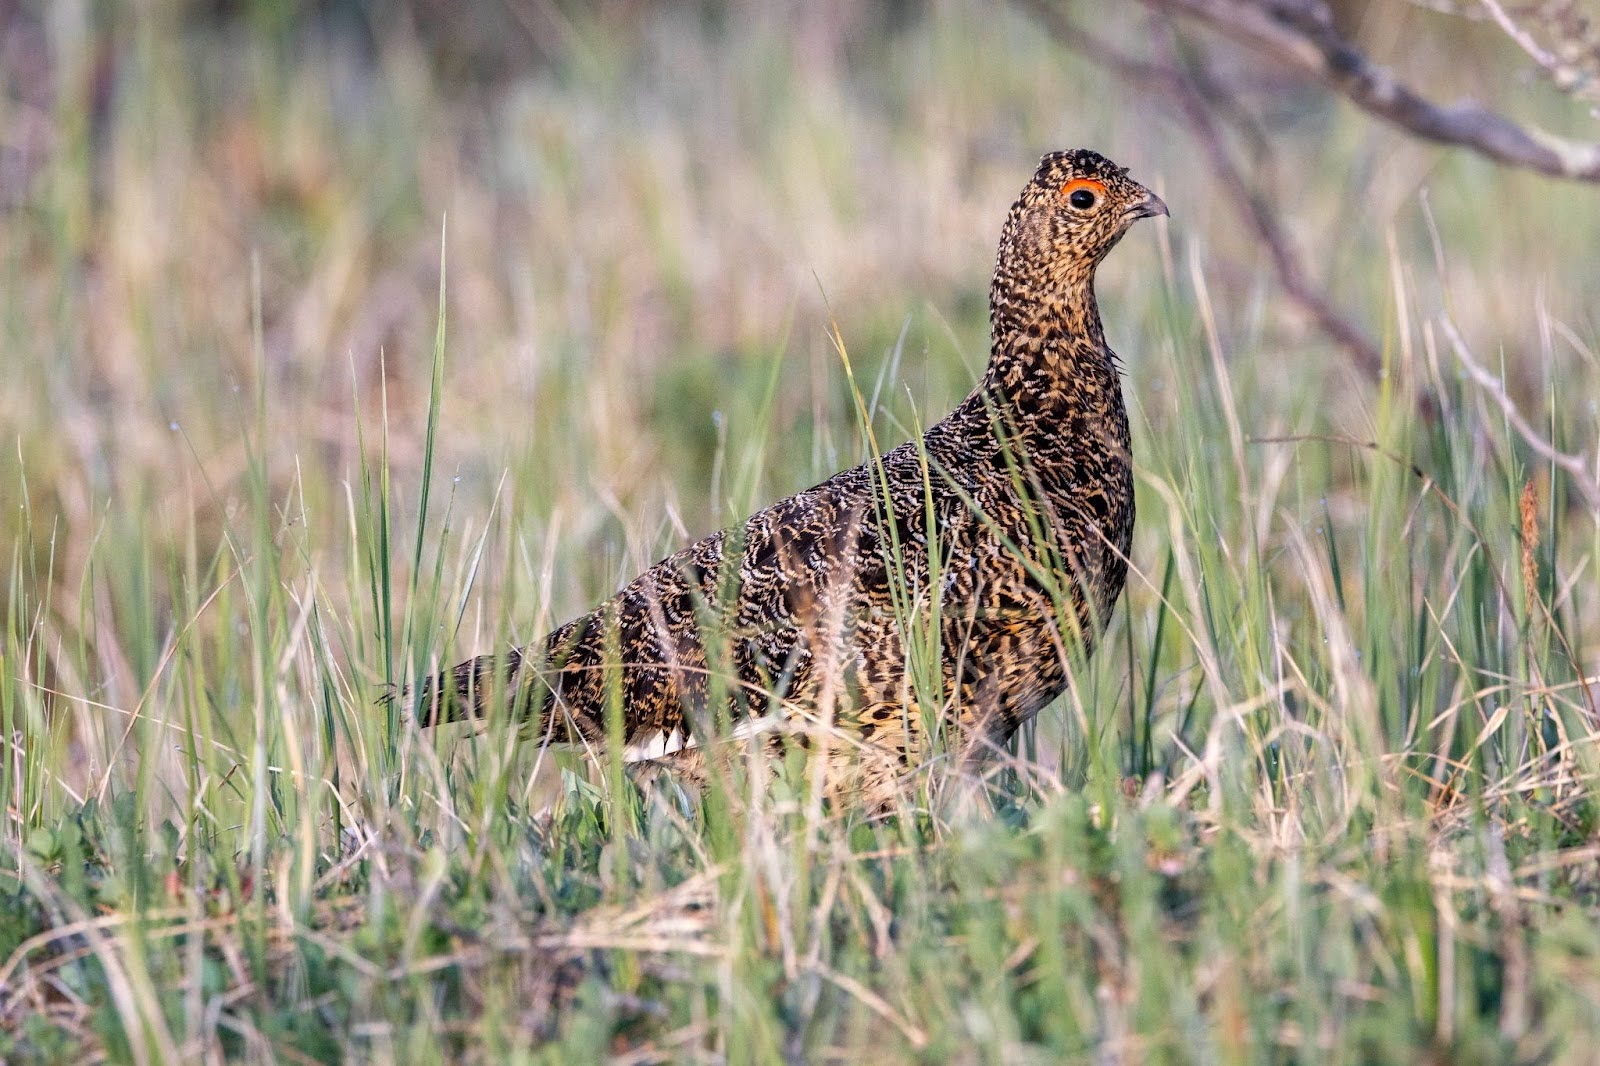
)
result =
(1030, 486)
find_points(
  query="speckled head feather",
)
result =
(1074, 211)
(1055, 167)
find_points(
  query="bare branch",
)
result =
(1292, 274)
(1571, 59)
(1521, 37)
(1200, 99)
(1299, 35)
(1583, 479)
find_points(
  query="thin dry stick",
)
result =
(877, 1004)
(1199, 101)
(1302, 35)
(1574, 65)
(1430, 485)
(1523, 39)
(1587, 484)
(1269, 231)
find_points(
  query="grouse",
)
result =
(932, 598)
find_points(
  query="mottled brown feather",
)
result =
(1030, 482)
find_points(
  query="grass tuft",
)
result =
(1327, 792)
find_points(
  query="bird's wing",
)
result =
(686, 630)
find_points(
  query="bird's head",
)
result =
(1076, 208)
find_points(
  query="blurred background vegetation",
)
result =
(644, 198)
(222, 227)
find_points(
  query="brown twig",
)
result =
(1199, 100)
(1571, 62)
(1269, 231)
(1577, 469)
(1300, 34)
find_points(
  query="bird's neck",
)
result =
(1048, 347)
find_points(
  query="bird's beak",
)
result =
(1149, 207)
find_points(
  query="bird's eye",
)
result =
(1083, 194)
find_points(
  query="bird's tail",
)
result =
(471, 689)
